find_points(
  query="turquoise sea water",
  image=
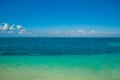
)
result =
(59, 58)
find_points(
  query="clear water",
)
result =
(59, 58)
(58, 46)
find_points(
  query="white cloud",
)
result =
(5, 27)
(22, 31)
(12, 27)
(19, 27)
(13, 30)
(98, 32)
(93, 31)
(80, 31)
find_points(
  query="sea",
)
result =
(60, 58)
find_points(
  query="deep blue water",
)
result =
(59, 46)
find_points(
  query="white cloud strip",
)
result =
(81, 33)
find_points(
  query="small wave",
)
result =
(114, 44)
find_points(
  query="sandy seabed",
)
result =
(100, 67)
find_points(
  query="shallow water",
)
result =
(92, 67)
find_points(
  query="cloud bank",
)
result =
(12, 30)
(19, 30)
(81, 33)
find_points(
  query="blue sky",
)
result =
(60, 17)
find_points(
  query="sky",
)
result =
(60, 18)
